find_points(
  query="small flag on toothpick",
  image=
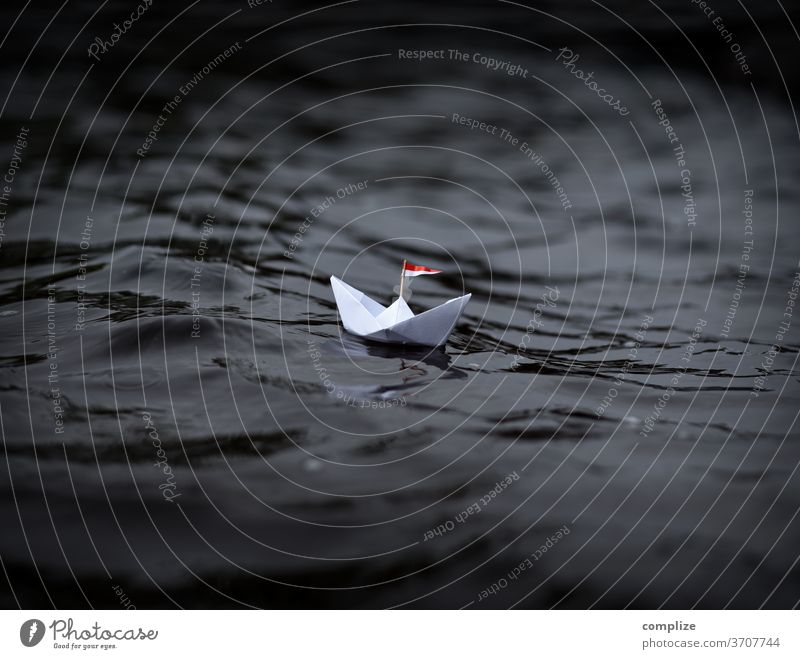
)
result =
(411, 270)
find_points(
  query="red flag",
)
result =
(411, 270)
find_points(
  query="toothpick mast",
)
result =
(402, 278)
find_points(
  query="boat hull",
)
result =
(364, 317)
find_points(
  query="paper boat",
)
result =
(362, 316)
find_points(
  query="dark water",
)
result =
(612, 423)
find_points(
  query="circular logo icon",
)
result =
(31, 632)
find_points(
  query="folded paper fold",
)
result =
(396, 323)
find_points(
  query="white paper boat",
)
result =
(396, 323)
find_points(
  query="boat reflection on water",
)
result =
(417, 366)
